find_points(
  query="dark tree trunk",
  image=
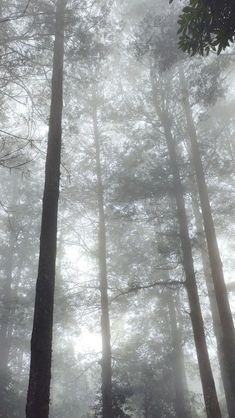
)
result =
(227, 341)
(230, 401)
(208, 384)
(182, 408)
(106, 366)
(41, 342)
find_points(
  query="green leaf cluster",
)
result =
(206, 25)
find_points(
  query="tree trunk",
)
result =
(208, 384)
(41, 341)
(227, 341)
(6, 326)
(5, 332)
(179, 379)
(230, 401)
(106, 367)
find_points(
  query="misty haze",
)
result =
(117, 209)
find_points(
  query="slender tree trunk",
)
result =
(41, 342)
(180, 332)
(230, 401)
(6, 326)
(5, 332)
(227, 341)
(208, 384)
(5, 340)
(146, 405)
(179, 379)
(106, 367)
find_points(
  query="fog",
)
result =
(117, 197)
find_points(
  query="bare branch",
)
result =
(134, 289)
(16, 16)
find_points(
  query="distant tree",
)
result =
(208, 93)
(210, 395)
(92, 57)
(106, 367)
(143, 189)
(120, 394)
(180, 385)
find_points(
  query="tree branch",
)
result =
(16, 16)
(158, 283)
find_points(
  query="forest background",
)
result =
(132, 104)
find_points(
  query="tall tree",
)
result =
(213, 303)
(209, 390)
(106, 368)
(227, 340)
(41, 343)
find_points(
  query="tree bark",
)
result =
(208, 384)
(41, 342)
(106, 366)
(227, 340)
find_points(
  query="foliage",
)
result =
(206, 25)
